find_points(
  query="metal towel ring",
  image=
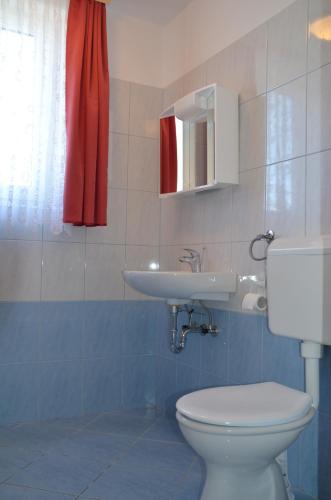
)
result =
(269, 236)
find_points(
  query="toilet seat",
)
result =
(254, 405)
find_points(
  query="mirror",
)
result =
(199, 137)
(187, 137)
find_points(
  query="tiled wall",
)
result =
(282, 74)
(60, 359)
(39, 265)
(68, 343)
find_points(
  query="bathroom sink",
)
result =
(188, 286)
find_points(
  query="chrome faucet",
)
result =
(193, 259)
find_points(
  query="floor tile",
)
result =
(135, 484)
(157, 454)
(59, 473)
(192, 488)
(77, 423)
(8, 492)
(40, 436)
(122, 455)
(102, 448)
(165, 429)
(122, 423)
(12, 459)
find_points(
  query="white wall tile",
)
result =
(217, 216)
(285, 198)
(118, 161)
(319, 194)
(20, 270)
(253, 133)
(182, 219)
(119, 106)
(114, 232)
(248, 271)
(173, 92)
(287, 44)
(286, 121)
(142, 258)
(170, 220)
(144, 164)
(195, 79)
(319, 47)
(169, 257)
(217, 257)
(143, 218)
(248, 205)
(69, 234)
(319, 110)
(63, 271)
(242, 66)
(103, 275)
(145, 109)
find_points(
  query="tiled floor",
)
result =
(124, 455)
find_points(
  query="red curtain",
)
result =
(87, 114)
(168, 155)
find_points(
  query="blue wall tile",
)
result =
(61, 330)
(138, 376)
(214, 357)
(207, 379)
(324, 458)
(294, 459)
(325, 376)
(309, 459)
(165, 384)
(59, 389)
(18, 392)
(187, 380)
(245, 348)
(19, 327)
(163, 331)
(95, 357)
(104, 326)
(140, 328)
(282, 361)
(102, 385)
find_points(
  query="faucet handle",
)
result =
(193, 253)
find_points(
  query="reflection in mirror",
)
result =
(188, 144)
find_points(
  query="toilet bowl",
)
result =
(239, 431)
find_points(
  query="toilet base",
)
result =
(249, 483)
(241, 461)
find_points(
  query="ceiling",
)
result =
(153, 11)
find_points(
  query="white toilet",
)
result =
(240, 430)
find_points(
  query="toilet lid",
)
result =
(254, 405)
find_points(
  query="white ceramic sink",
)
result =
(182, 285)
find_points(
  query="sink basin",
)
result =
(182, 285)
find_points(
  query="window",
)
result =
(18, 112)
(32, 111)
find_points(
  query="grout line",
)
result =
(306, 120)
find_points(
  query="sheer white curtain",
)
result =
(32, 111)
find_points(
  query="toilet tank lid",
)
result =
(253, 405)
(320, 245)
